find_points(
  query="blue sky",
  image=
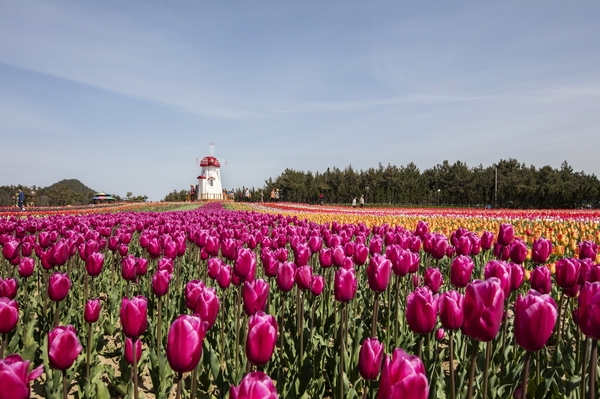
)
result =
(124, 96)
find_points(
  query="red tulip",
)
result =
(535, 317)
(129, 350)
(421, 310)
(58, 286)
(483, 309)
(184, 343)
(26, 267)
(541, 250)
(133, 316)
(94, 263)
(370, 358)
(9, 315)
(255, 385)
(451, 310)
(262, 336)
(63, 347)
(345, 284)
(589, 310)
(541, 280)
(255, 295)
(403, 376)
(92, 310)
(160, 282)
(15, 377)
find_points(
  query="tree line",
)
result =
(506, 184)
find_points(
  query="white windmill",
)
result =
(209, 180)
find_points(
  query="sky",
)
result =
(125, 96)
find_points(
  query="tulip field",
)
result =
(280, 300)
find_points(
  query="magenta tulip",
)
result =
(224, 277)
(184, 342)
(10, 249)
(483, 309)
(589, 310)
(9, 315)
(58, 286)
(254, 385)
(255, 295)
(567, 272)
(133, 316)
(207, 306)
(15, 377)
(345, 285)
(588, 250)
(421, 310)
(303, 277)
(325, 257)
(361, 253)
(317, 284)
(403, 376)
(192, 291)
(518, 251)
(506, 234)
(261, 339)
(541, 280)
(129, 350)
(8, 288)
(541, 250)
(245, 264)
(439, 334)
(285, 276)
(433, 279)
(63, 347)
(535, 317)
(378, 272)
(461, 270)
(94, 263)
(160, 282)
(92, 310)
(370, 358)
(214, 266)
(26, 267)
(128, 268)
(498, 269)
(464, 245)
(451, 309)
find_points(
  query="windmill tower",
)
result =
(209, 180)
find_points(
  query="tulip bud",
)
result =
(63, 347)
(92, 310)
(262, 336)
(129, 350)
(439, 334)
(285, 276)
(567, 272)
(184, 343)
(370, 358)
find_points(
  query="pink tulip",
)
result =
(214, 266)
(589, 310)
(255, 295)
(461, 269)
(361, 253)
(499, 269)
(193, 289)
(317, 284)
(421, 310)
(535, 317)
(345, 285)
(184, 343)
(518, 251)
(505, 234)
(303, 277)
(129, 350)
(128, 268)
(160, 282)
(439, 334)
(541, 250)
(325, 257)
(567, 272)
(245, 264)
(92, 310)
(517, 275)
(134, 316)
(285, 276)
(9, 315)
(433, 279)
(10, 249)
(224, 277)
(58, 286)
(588, 250)
(483, 309)
(94, 263)
(207, 306)
(254, 385)
(403, 376)
(541, 280)
(262, 336)
(451, 310)
(26, 267)
(63, 347)
(15, 377)
(378, 272)
(370, 358)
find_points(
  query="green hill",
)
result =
(64, 192)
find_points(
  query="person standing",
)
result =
(20, 199)
(361, 202)
(321, 198)
(354, 202)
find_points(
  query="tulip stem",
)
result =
(452, 383)
(57, 314)
(179, 381)
(343, 326)
(237, 327)
(300, 326)
(593, 366)
(4, 338)
(525, 375)
(583, 362)
(193, 387)
(558, 323)
(375, 314)
(65, 385)
(396, 317)
(488, 352)
(472, 368)
(89, 353)
(135, 368)
(159, 326)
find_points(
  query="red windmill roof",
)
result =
(210, 161)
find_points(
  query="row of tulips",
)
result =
(224, 283)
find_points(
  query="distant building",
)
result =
(209, 181)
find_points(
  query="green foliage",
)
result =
(518, 186)
(176, 196)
